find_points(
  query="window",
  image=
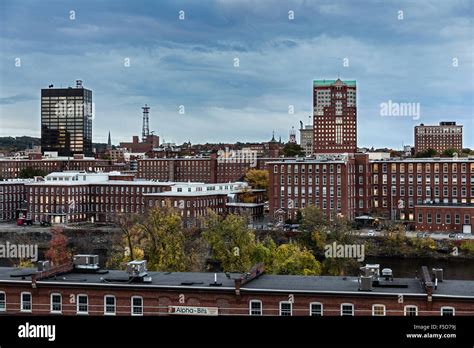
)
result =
(316, 309)
(378, 310)
(255, 307)
(109, 305)
(26, 302)
(347, 309)
(56, 303)
(3, 302)
(411, 311)
(447, 311)
(82, 304)
(137, 305)
(286, 308)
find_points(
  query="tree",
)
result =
(231, 241)
(294, 259)
(292, 150)
(58, 251)
(312, 218)
(258, 179)
(427, 153)
(450, 152)
(29, 172)
(163, 239)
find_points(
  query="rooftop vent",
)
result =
(373, 270)
(438, 274)
(365, 283)
(44, 266)
(387, 274)
(86, 262)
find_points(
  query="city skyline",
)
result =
(189, 59)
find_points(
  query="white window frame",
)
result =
(60, 303)
(21, 302)
(347, 304)
(105, 305)
(380, 305)
(311, 309)
(250, 307)
(4, 309)
(286, 302)
(448, 307)
(132, 306)
(77, 304)
(410, 306)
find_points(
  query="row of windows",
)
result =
(255, 306)
(419, 167)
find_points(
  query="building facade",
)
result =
(217, 294)
(334, 116)
(66, 120)
(445, 136)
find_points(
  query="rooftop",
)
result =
(263, 283)
(350, 83)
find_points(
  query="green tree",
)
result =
(450, 152)
(231, 241)
(428, 153)
(29, 172)
(294, 259)
(163, 239)
(293, 150)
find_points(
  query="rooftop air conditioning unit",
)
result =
(88, 262)
(137, 269)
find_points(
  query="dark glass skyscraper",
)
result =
(66, 120)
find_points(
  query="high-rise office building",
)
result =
(66, 120)
(334, 116)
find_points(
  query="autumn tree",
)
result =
(258, 179)
(58, 252)
(231, 241)
(163, 239)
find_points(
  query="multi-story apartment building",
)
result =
(306, 138)
(446, 136)
(334, 116)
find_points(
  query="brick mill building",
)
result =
(447, 135)
(83, 289)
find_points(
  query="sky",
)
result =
(227, 71)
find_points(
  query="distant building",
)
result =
(446, 136)
(306, 138)
(66, 120)
(335, 116)
(151, 142)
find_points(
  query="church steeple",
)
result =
(109, 143)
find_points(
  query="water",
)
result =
(405, 268)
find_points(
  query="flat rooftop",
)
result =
(264, 283)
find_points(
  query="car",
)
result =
(459, 236)
(45, 223)
(452, 235)
(419, 235)
(371, 233)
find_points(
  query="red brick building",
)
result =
(444, 217)
(10, 168)
(151, 142)
(69, 290)
(13, 197)
(335, 116)
(446, 136)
